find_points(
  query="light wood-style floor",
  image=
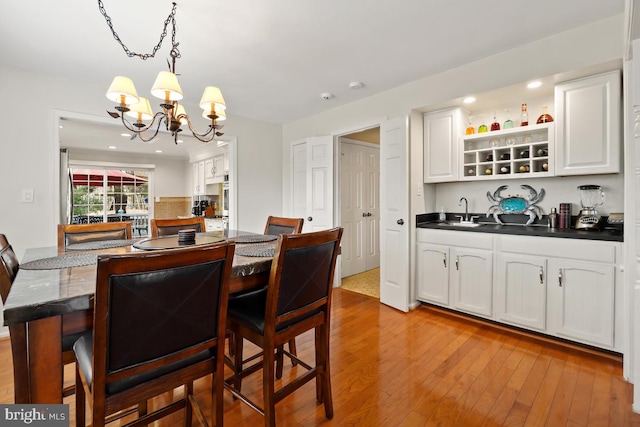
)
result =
(428, 368)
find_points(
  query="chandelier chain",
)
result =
(170, 19)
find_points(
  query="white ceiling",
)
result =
(273, 58)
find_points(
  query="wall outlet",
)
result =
(27, 195)
(419, 187)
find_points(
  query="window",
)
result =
(110, 195)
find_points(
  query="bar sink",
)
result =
(467, 224)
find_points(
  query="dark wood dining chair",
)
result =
(9, 267)
(169, 227)
(297, 299)
(69, 234)
(158, 317)
(280, 225)
(275, 226)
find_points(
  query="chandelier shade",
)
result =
(141, 111)
(122, 91)
(166, 87)
(212, 99)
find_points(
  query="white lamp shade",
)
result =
(141, 110)
(180, 110)
(166, 87)
(222, 115)
(212, 96)
(122, 91)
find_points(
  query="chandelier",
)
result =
(166, 87)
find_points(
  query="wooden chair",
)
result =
(69, 234)
(168, 227)
(280, 225)
(9, 267)
(157, 320)
(297, 299)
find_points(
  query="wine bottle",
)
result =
(524, 116)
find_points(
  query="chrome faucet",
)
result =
(466, 208)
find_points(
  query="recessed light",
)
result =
(356, 85)
(469, 100)
(326, 96)
(61, 127)
(158, 151)
(535, 84)
(112, 147)
(127, 135)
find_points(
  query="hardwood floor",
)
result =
(429, 368)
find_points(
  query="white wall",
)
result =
(170, 175)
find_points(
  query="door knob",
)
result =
(400, 221)
(310, 218)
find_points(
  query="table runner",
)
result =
(255, 238)
(100, 244)
(255, 251)
(62, 261)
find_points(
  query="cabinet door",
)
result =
(581, 301)
(441, 132)
(588, 125)
(218, 166)
(471, 277)
(521, 290)
(209, 169)
(433, 273)
(197, 178)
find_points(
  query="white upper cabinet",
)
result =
(588, 125)
(441, 132)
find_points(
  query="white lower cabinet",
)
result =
(456, 270)
(433, 273)
(581, 298)
(472, 280)
(565, 288)
(521, 291)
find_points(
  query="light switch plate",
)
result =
(27, 195)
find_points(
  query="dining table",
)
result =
(52, 295)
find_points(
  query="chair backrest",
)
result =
(9, 266)
(170, 227)
(301, 276)
(69, 234)
(279, 225)
(156, 308)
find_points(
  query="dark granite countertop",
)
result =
(517, 227)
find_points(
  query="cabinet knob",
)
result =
(310, 218)
(541, 275)
(444, 259)
(400, 221)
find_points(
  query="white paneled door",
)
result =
(394, 214)
(360, 207)
(312, 182)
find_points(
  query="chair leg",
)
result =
(80, 399)
(322, 361)
(237, 364)
(188, 409)
(268, 388)
(279, 361)
(292, 350)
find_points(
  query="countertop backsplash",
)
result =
(557, 190)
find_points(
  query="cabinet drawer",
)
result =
(585, 250)
(456, 238)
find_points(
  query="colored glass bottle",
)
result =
(524, 116)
